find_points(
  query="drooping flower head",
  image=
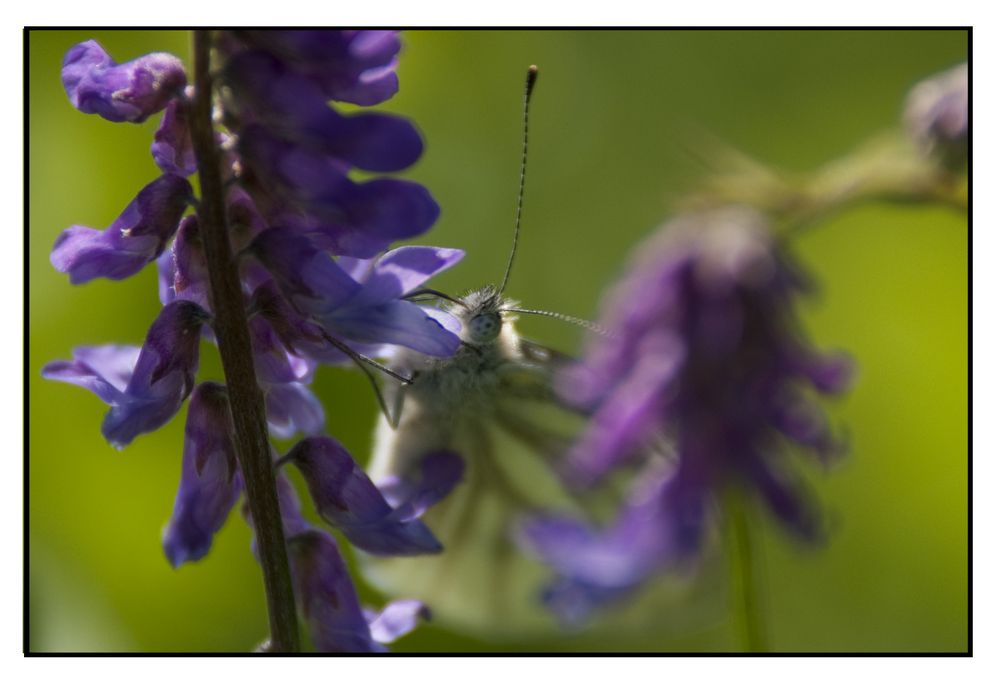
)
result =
(704, 383)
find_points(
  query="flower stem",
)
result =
(246, 402)
(743, 574)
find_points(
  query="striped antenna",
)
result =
(589, 325)
(529, 85)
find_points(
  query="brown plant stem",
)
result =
(245, 399)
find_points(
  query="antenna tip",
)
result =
(532, 77)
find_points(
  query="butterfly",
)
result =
(494, 403)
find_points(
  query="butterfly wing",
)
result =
(512, 444)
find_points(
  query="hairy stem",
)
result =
(245, 399)
(744, 589)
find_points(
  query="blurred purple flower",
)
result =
(705, 353)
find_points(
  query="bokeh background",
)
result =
(616, 125)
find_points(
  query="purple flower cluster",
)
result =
(310, 243)
(701, 386)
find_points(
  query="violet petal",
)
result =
(131, 92)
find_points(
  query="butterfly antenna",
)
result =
(589, 325)
(529, 85)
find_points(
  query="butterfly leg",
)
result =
(399, 399)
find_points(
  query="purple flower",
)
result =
(311, 192)
(347, 499)
(172, 148)
(295, 108)
(285, 160)
(367, 311)
(937, 116)
(183, 272)
(324, 593)
(330, 605)
(146, 387)
(707, 369)
(291, 408)
(358, 67)
(133, 240)
(283, 376)
(210, 481)
(131, 92)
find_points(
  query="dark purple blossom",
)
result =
(295, 108)
(132, 241)
(330, 605)
(310, 192)
(183, 273)
(358, 67)
(706, 371)
(210, 482)
(146, 387)
(347, 499)
(131, 92)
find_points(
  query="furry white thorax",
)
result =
(446, 391)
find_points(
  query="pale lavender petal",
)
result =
(103, 370)
(397, 323)
(293, 408)
(402, 270)
(397, 619)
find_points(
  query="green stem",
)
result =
(744, 575)
(246, 403)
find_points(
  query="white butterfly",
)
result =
(494, 404)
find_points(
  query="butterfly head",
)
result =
(482, 315)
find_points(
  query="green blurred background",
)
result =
(611, 150)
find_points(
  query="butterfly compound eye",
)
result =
(484, 327)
